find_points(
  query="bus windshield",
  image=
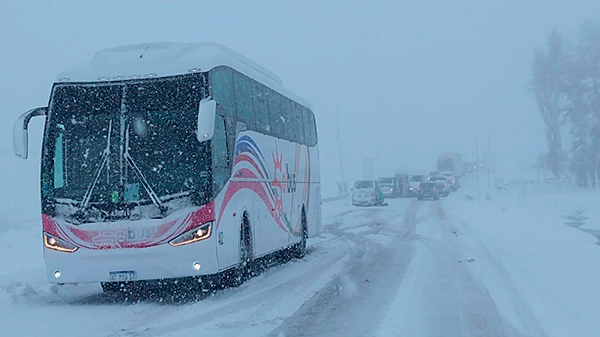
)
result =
(115, 150)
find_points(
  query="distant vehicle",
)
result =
(413, 184)
(469, 167)
(161, 167)
(402, 183)
(451, 162)
(452, 180)
(367, 193)
(442, 183)
(389, 187)
(428, 190)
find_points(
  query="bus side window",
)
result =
(221, 82)
(220, 160)
(312, 128)
(243, 95)
(286, 116)
(296, 124)
(306, 126)
(230, 133)
(261, 109)
(275, 111)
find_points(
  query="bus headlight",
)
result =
(195, 235)
(53, 243)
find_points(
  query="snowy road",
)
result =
(410, 269)
(419, 282)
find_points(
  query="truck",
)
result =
(450, 162)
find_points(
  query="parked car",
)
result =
(452, 180)
(413, 184)
(428, 190)
(389, 187)
(367, 193)
(442, 183)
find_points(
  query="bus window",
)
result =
(220, 158)
(261, 109)
(286, 116)
(222, 89)
(296, 124)
(275, 114)
(306, 126)
(243, 95)
(312, 129)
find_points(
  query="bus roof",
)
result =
(147, 60)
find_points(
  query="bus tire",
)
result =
(299, 249)
(243, 270)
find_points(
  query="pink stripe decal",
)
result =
(127, 236)
(245, 158)
(257, 187)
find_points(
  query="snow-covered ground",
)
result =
(520, 262)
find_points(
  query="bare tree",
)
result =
(589, 56)
(581, 80)
(548, 88)
(578, 115)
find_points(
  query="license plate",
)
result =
(122, 276)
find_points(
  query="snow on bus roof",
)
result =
(146, 60)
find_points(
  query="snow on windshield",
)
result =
(106, 150)
(363, 185)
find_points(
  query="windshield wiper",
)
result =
(103, 162)
(153, 196)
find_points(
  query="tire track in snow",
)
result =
(457, 302)
(523, 322)
(351, 304)
(231, 303)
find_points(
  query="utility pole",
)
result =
(489, 169)
(476, 152)
(477, 166)
(378, 161)
(343, 187)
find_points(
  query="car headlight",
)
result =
(53, 243)
(197, 234)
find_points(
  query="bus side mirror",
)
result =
(20, 133)
(206, 119)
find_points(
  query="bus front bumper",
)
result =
(152, 263)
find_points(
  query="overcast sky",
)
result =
(419, 77)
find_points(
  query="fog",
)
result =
(417, 78)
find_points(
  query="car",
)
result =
(452, 180)
(428, 190)
(413, 184)
(443, 185)
(389, 187)
(367, 193)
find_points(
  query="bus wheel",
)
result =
(243, 271)
(300, 248)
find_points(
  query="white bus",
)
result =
(164, 161)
